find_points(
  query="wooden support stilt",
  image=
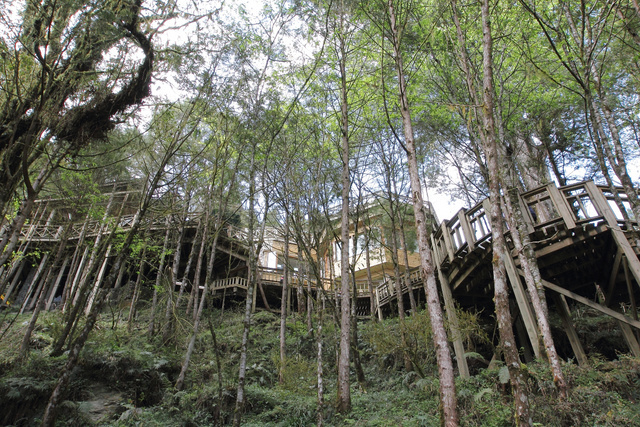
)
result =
(378, 308)
(34, 281)
(54, 288)
(73, 295)
(44, 278)
(565, 315)
(521, 331)
(630, 338)
(526, 311)
(632, 299)
(264, 296)
(96, 286)
(614, 274)
(454, 326)
(14, 282)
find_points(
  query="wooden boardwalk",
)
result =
(586, 247)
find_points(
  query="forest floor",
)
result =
(125, 377)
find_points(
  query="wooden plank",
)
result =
(561, 205)
(524, 306)
(601, 308)
(632, 298)
(458, 345)
(466, 229)
(614, 274)
(630, 338)
(447, 241)
(567, 323)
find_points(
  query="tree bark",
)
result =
(159, 276)
(344, 384)
(448, 398)
(501, 292)
(283, 302)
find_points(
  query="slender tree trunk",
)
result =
(24, 348)
(196, 326)
(171, 303)
(501, 292)
(283, 302)
(136, 288)
(529, 263)
(187, 270)
(344, 391)
(320, 382)
(240, 399)
(159, 276)
(367, 259)
(443, 354)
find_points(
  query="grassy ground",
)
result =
(139, 370)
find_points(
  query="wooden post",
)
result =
(526, 215)
(458, 345)
(35, 279)
(524, 306)
(614, 275)
(466, 230)
(98, 280)
(378, 308)
(447, 240)
(561, 205)
(52, 294)
(14, 282)
(574, 340)
(630, 338)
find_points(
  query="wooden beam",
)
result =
(524, 306)
(632, 298)
(603, 208)
(601, 308)
(567, 323)
(454, 326)
(630, 338)
(614, 274)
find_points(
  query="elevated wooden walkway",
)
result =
(584, 240)
(586, 249)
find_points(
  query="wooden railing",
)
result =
(230, 282)
(544, 208)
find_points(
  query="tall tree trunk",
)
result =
(283, 302)
(251, 285)
(367, 260)
(159, 276)
(344, 392)
(173, 277)
(187, 270)
(501, 292)
(136, 288)
(196, 327)
(320, 381)
(24, 347)
(529, 263)
(443, 354)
